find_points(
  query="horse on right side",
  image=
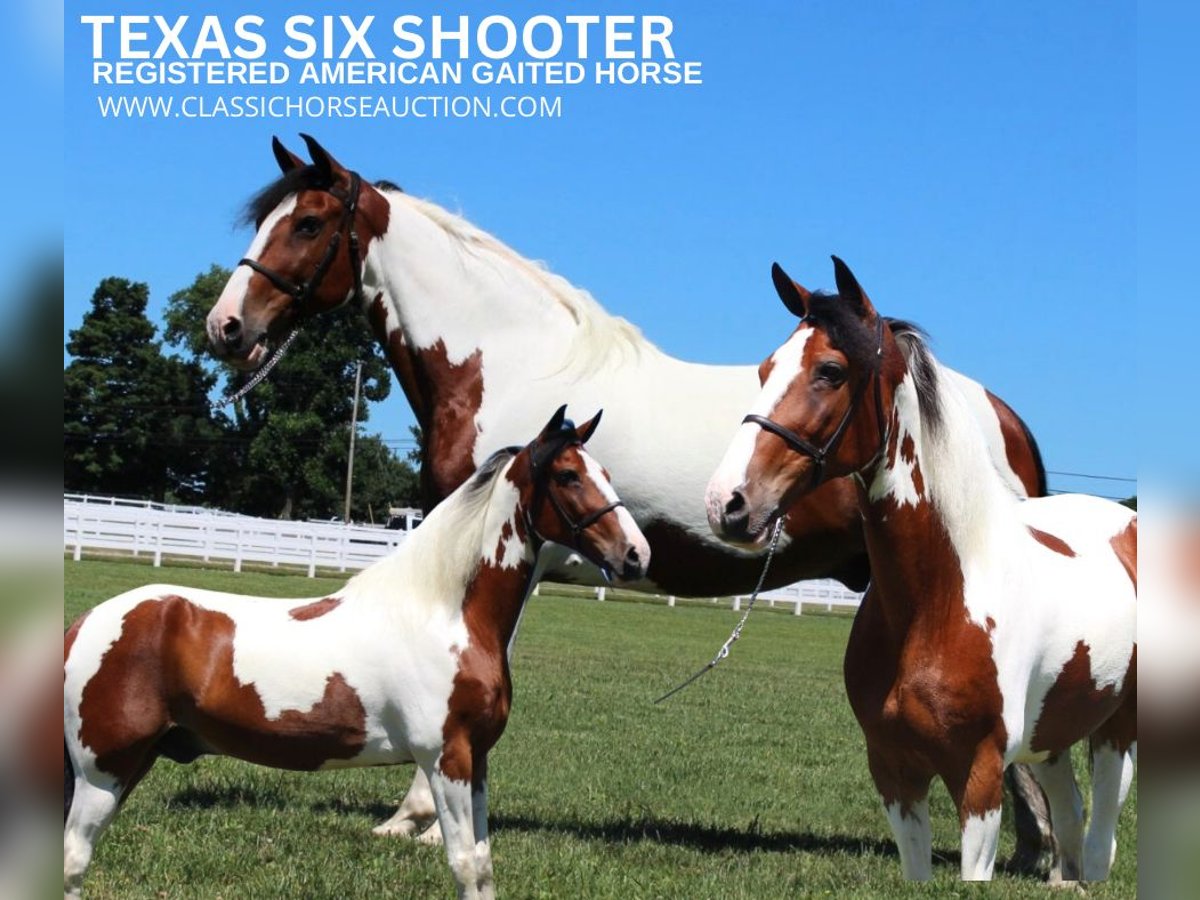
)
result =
(995, 630)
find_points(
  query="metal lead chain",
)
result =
(263, 371)
(737, 632)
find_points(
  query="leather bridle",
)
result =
(539, 464)
(820, 455)
(302, 292)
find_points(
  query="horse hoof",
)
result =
(431, 836)
(396, 828)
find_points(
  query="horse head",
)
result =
(312, 230)
(819, 415)
(569, 499)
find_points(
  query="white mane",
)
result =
(600, 332)
(436, 562)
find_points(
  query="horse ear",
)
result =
(850, 290)
(286, 158)
(586, 430)
(326, 164)
(556, 421)
(794, 297)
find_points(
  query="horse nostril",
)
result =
(632, 556)
(231, 329)
(736, 506)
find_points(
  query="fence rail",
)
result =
(141, 528)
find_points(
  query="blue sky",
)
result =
(975, 164)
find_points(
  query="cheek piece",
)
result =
(302, 292)
(540, 464)
(820, 455)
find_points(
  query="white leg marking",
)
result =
(980, 835)
(1112, 773)
(92, 808)
(416, 811)
(455, 812)
(913, 839)
(483, 846)
(1066, 814)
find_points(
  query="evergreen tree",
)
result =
(135, 422)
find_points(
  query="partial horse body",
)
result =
(477, 334)
(995, 630)
(407, 663)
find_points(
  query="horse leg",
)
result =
(479, 815)
(416, 812)
(906, 802)
(455, 810)
(94, 801)
(1035, 851)
(1057, 778)
(978, 794)
(1112, 774)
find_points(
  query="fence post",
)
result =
(796, 611)
(671, 600)
(237, 554)
(312, 555)
(600, 594)
(537, 589)
(208, 541)
(737, 604)
(157, 544)
(78, 555)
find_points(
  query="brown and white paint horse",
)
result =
(407, 663)
(994, 630)
(475, 333)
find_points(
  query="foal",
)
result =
(406, 663)
(995, 630)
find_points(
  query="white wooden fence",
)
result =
(155, 530)
(196, 533)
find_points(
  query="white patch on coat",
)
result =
(914, 837)
(898, 481)
(980, 836)
(233, 296)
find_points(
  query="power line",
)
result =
(1093, 477)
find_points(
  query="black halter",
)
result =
(821, 454)
(301, 292)
(539, 464)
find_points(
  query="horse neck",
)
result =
(443, 565)
(931, 506)
(435, 279)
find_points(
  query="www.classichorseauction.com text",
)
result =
(303, 52)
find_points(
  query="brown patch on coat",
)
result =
(1022, 455)
(315, 609)
(172, 667)
(481, 698)
(1050, 541)
(1124, 544)
(919, 673)
(1074, 707)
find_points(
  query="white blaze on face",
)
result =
(731, 473)
(629, 527)
(230, 303)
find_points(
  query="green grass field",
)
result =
(752, 783)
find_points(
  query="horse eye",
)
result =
(309, 225)
(831, 372)
(566, 477)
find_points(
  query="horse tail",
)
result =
(68, 782)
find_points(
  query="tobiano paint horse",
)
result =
(407, 663)
(995, 630)
(476, 333)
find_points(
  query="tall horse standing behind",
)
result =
(478, 335)
(407, 663)
(994, 630)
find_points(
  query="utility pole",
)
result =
(353, 435)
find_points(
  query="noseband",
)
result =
(540, 469)
(302, 292)
(820, 455)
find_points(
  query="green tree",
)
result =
(135, 422)
(286, 442)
